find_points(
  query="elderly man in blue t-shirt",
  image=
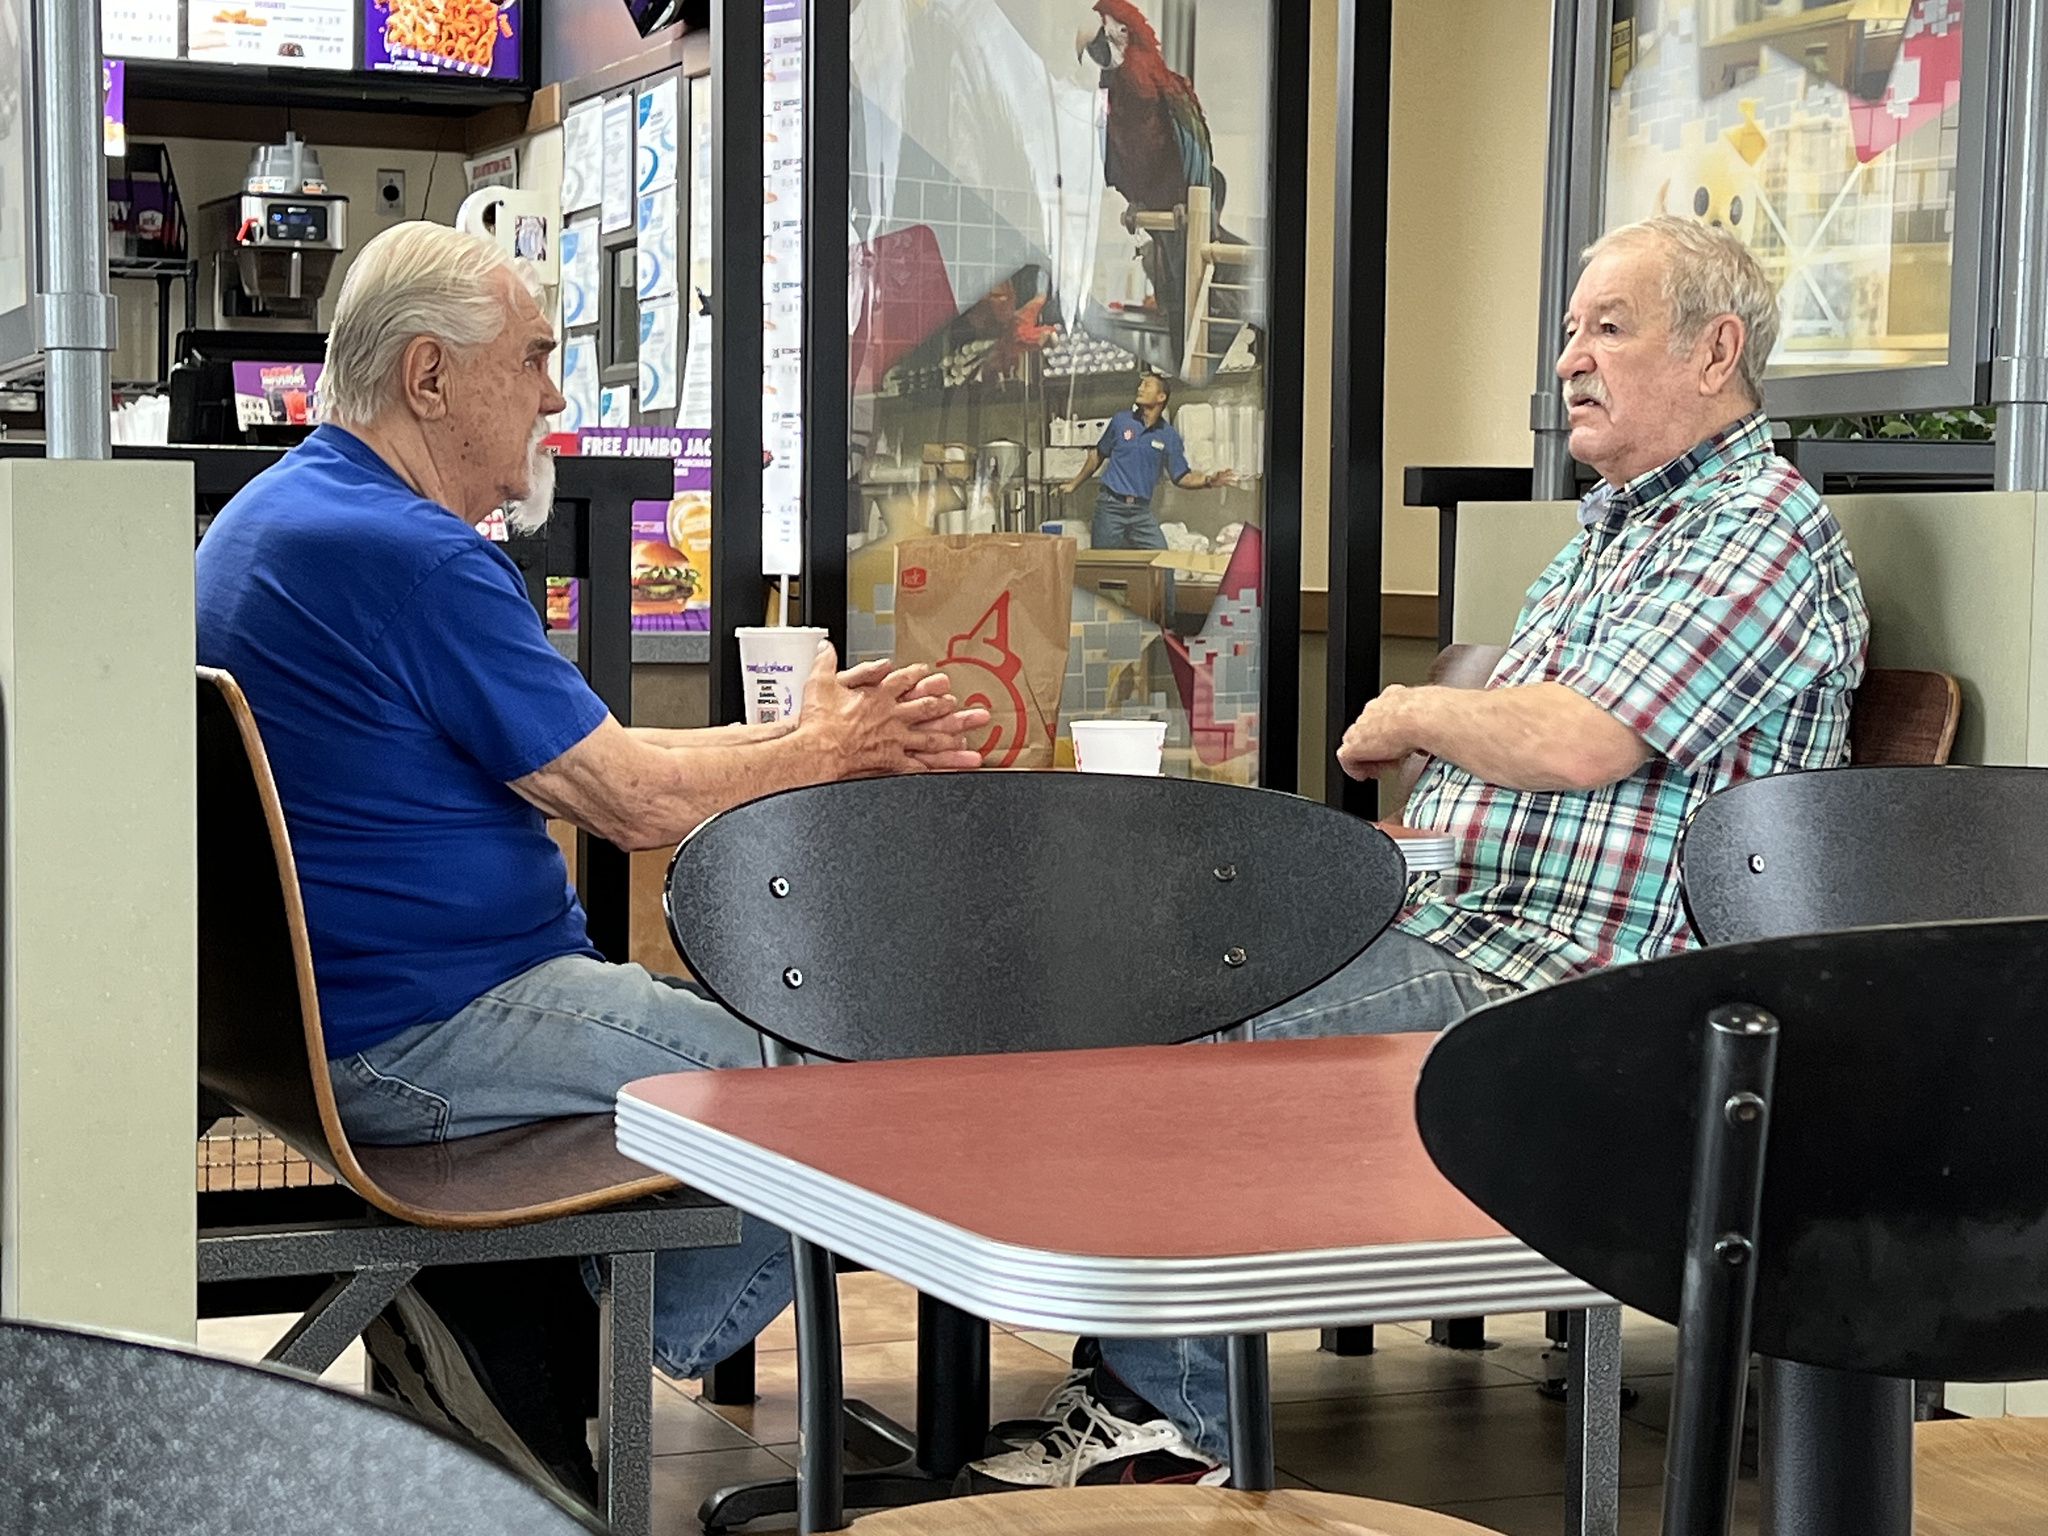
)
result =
(422, 730)
(1138, 446)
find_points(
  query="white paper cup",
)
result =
(1119, 746)
(774, 664)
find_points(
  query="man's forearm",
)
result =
(706, 736)
(1539, 737)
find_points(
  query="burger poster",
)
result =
(671, 571)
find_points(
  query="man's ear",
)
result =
(423, 378)
(1721, 350)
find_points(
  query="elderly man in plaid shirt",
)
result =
(1704, 627)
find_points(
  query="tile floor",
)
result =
(1463, 1432)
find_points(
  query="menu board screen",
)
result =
(443, 37)
(139, 29)
(299, 34)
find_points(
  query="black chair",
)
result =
(106, 1436)
(1825, 1147)
(1851, 848)
(955, 915)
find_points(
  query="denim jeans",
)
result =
(1400, 984)
(1123, 522)
(564, 1037)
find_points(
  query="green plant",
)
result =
(1961, 424)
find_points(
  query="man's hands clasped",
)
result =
(874, 719)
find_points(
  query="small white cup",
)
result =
(1119, 746)
(774, 664)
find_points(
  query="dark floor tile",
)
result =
(1432, 1447)
(1543, 1514)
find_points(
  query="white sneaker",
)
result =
(1089, 1445)
(1060, 1402)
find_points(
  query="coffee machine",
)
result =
(272, 246)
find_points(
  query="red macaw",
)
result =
(1156, 143)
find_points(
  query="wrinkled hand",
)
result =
(1378, 741)
(1224, 477)
(876, 720)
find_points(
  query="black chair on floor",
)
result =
(1852, 848)
(955, 915)
(107, 1436)
(1825, 1148)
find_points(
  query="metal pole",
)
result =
(1251, 1411)
(71, 228)
(1573, 166)
(737, 213)
(1358, 366)
(1834, 1452)
(1739, 1056)
(1592, 1446)
(2019, 373)
(1286, 306)
(827, 485)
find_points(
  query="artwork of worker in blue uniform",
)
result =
(1139, 445)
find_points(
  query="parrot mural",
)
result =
(1156, 145)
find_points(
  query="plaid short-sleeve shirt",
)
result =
(1709, 606)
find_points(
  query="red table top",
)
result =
(1186, 1151)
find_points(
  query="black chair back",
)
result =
(108, 1435)
(955, 914)
(1838, 1130)
(1905, 1208)
(1859, 847)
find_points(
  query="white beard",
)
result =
(531, 512)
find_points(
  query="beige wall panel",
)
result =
(1955, 583)
(97, 1093)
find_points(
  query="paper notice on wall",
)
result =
(581, 270)
(659, 384)
(656, 253)
(494, 170)
(696, 404)
(615, 406)
(579, 384)
(583, 157)
(617, 200)
(655, 137)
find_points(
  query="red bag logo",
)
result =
(914, 579)
(983, 671)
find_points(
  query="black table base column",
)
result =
(952, 1387)
(1835, 1453)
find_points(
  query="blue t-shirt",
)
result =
(401, 679)
(1135, 453)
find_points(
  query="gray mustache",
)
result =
(1584, 389)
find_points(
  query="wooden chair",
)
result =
(555, 1189)
(1904, 716)
(1857, 848)
(109, 1434)
(947, 914)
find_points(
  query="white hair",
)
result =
(1707, 273)
(413, 280)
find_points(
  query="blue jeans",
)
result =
(1399, 984)
(1123, 522)
(564, 1037)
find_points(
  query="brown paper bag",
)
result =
(993, 611)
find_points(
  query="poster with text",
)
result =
(583, 156)
(444, 37)
(655, 137)
(617, 198)
(579, 384)
(655, 248)
(660, 358)
(303, 34)
(581, 269)
(275, 394)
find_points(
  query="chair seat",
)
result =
(1159, 1511)
(502, 1178)
(1980, 1477)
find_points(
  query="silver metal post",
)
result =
(78, 312)
(1573, 166)
(2019, 373)
(1592, 1446)
(1553, 476)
